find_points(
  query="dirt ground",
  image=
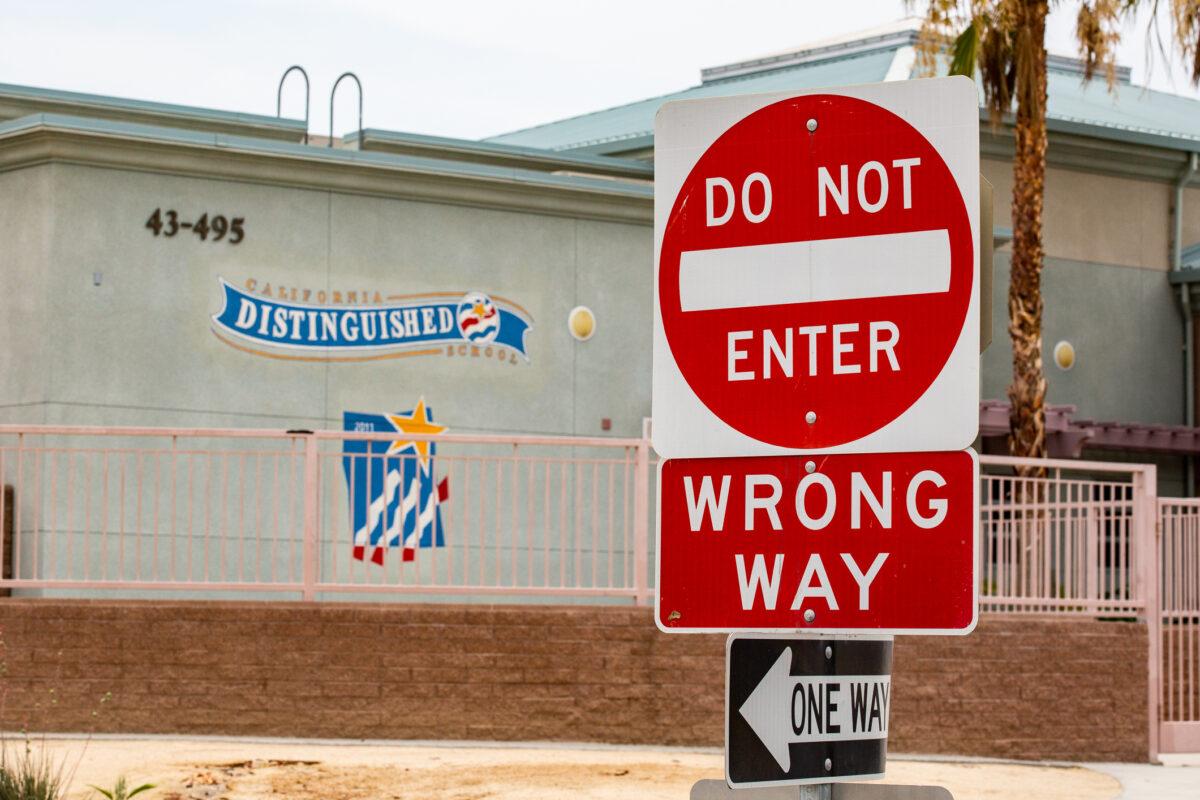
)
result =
(231, 770)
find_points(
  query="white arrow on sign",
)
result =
(785, 708)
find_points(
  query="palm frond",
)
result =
(998, 60)
(939, 27)
(966, 52)
(1097, 31)
(1186, 17)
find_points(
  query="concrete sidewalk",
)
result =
(1177, 779)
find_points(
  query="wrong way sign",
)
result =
(816, 267)
(880, 542)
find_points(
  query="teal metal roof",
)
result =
(636, 120)
(1189, 267)
(1126, 113)
(1190, 257)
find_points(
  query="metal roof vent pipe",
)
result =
(307, 92)
(333, 92)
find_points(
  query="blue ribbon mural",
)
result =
(473, 319)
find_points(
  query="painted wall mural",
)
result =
(395, 495)
(298, 324)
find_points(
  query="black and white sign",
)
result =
(806, 710)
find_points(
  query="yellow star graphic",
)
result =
(417, 422)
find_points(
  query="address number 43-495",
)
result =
(167, 223)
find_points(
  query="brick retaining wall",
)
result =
(1016, 688)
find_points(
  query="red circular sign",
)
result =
(787, 143)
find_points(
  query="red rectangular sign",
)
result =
(833, 544)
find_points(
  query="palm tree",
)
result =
(1005, 41)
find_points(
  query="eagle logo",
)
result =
(478, 320)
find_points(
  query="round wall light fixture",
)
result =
(1064, 355)
(581, 322)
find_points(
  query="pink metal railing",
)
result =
(207, 510)
(1077, 541)
(529, 515)
(1081, 541)
(1180, 631)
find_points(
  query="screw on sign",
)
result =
(817, 272)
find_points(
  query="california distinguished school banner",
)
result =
(473, 318)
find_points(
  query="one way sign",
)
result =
(806, 710)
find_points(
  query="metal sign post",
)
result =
(719, 790)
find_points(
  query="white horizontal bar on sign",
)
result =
(888, 265)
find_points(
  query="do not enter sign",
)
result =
(817, 271)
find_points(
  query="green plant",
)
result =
(29, 770)
(121, 790)
(31, 775)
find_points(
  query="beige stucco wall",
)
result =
(138, 348)
(26, 225)
(1101, 218)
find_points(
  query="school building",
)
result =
(253, 322)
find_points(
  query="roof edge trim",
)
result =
(83, 100)
(840, 49)
(546, 159)
(141, 137)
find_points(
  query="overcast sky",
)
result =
(465, 69)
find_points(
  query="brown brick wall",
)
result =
(1015, 688)
(1024, 688)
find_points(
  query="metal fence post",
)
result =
(1149, 577)
(15, 511)
(312, 486)
(641, 523)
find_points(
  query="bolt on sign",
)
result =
(816, 272)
